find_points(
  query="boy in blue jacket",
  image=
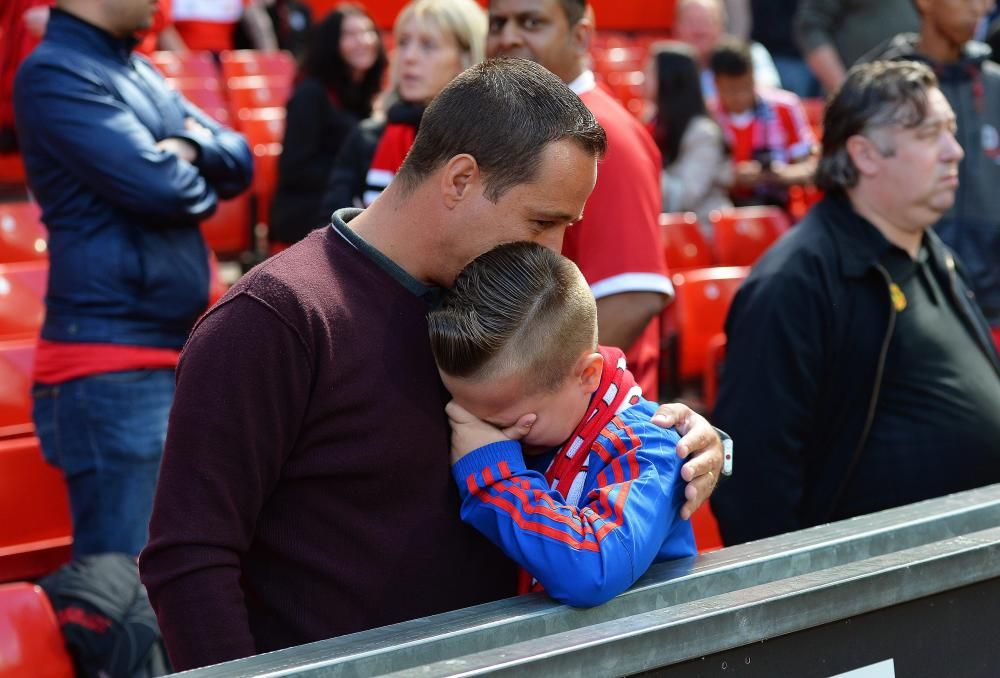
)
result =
(553, 450)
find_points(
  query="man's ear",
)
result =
(590, 368)
(583, 32)
(864, 154)
(461, 172)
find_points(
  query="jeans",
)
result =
(106, 433)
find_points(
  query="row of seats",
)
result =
(247, 90)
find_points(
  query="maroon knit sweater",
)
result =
(305, 490)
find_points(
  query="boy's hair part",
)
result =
(519, 308)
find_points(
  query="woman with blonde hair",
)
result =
(435, 41)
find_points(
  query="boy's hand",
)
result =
(702, 444)
(469, 433)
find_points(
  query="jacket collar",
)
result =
(861, 246)
(68, 29)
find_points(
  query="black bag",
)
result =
(106, 619)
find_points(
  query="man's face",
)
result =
(917, 179)
(537, 30)
(735, 92)
(699, 25)
(125, 17)
(955, 20)
(539, 211)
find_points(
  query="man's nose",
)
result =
(953, 151)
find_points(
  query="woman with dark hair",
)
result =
(696, 170)
(339, 77)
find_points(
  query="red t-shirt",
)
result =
(617, 245)
(208, 24)
(57, 361)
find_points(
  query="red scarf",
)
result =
(389, 154)
(568, 471)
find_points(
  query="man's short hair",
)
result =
(574, 10)
(518, 309)
(504, 113)
(731, 58)
(874, 95)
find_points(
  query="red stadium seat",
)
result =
(227, 231)
(16, 363)
(22, 235)
(256, 91)
(31, 642)
(742, 234)
(36, 530)
(11, 168)
(206, 94)
(265, 178)
(22, 309)
(684, 246)
(699, 314)
(185, 65)
(245, 62)
(706, 529)
(262, 125)
(34, 275)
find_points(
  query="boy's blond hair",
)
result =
(518, 309)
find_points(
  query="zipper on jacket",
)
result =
(872, 404)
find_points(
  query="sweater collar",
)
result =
(68, 29)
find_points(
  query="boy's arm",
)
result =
(585, 555)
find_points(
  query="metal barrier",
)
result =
(914, 589)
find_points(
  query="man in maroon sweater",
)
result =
(305, 489)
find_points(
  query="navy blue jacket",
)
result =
(128, 262)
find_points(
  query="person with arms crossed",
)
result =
(124, 169)
(297, 452)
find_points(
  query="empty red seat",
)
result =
(22, 235)
(228, 230)
(34, 275)
(31, 643)
(16, 363)
(244, 62)
(684, 245)
(256, 91)
(185, 64)
(22, 309)
(11, 168)
(262, 125)
(36, 530)
(741, 234)
(702, 300)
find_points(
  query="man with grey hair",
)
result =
(856, 357)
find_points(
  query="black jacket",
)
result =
(315, 132)
(808, 332)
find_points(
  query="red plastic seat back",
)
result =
(700, 307)
(228, 230)
(684, 245)
(31, 643)
(16, 363)
(256, 91)
(36, 530)
(185, 65)
(247, 62)
(742, 234)
(22, 309)
(22, 235)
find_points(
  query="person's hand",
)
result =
(36, 19)
(702, 448)
(747, 173)
(184, 150)
(468, 432)
(196, 129)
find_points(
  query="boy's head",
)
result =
(732, 67)
(516, 335)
